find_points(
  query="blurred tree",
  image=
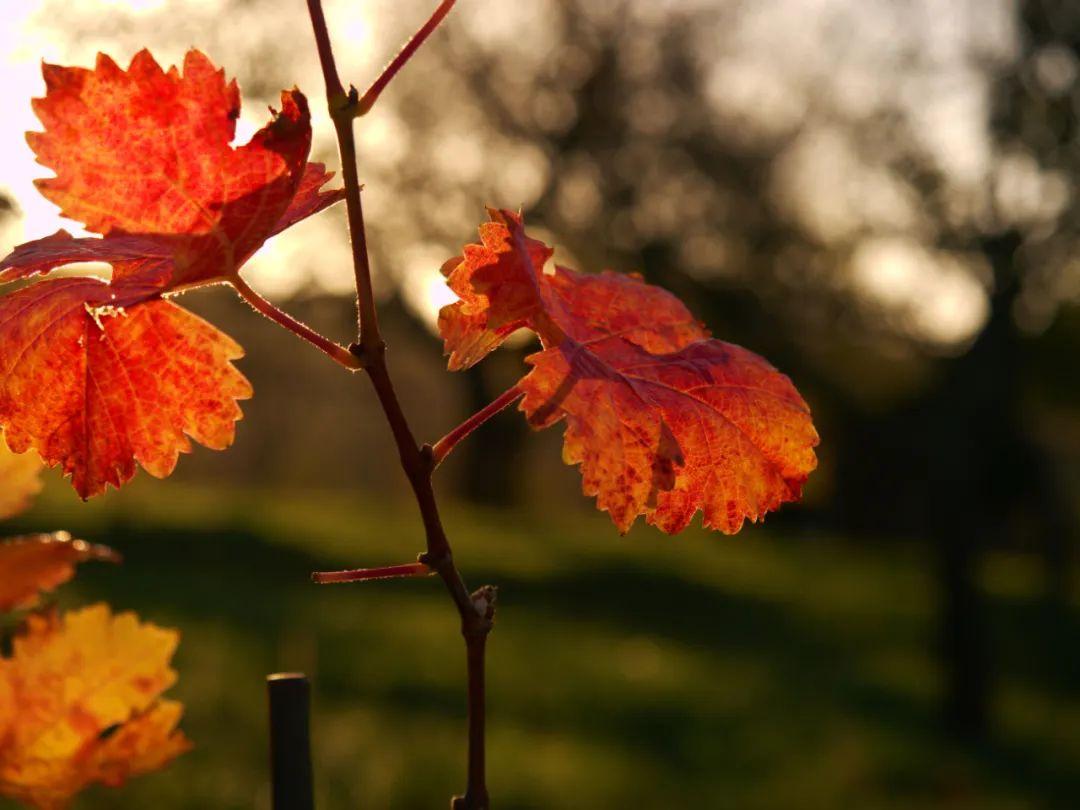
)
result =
(889, 266)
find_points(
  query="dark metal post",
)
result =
(290, 741)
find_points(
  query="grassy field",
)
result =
(762, 671)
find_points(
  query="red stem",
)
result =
(416, 569)
(476, 795)
(371, 95)
(444, 446)
(336, 352)
(335, 93)
(371, 352)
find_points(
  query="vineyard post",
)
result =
(290, 741)
(476, 611)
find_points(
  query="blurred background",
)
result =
(880, 196)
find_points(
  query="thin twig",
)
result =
(371, 95)
(335, 351)
(444, 446)
(415, 460)
(416, 569)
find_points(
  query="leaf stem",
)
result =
(444, 446)
(333, 350)
(416, 461)
(416, 569)
(371, 95)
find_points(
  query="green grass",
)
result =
(762, 671)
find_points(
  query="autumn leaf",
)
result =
(101, 377)
(95, 378)
(502, 287)
(80, 703)
(663, 420)
(144, 157)
(19, 480)
(498, 284)
(40, 562)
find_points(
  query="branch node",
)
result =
(368, 356)
(434, 561)
(483, 600)
(427, 456)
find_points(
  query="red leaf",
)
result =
(95, 377)
(144, 157)
(503, 287)
(310, 197)
(663, 420)
(498, 284)
(100, 377)
(711, 427)
(44, 255)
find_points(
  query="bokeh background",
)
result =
(880, 196)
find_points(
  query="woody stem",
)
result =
(476, 612)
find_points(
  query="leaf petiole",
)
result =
(442, 448)
(333, 350)
(416, 569)
(371, 95)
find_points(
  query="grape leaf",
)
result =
(98, 378)
(711, 427)
(502, 287)
(96, 384)
(498, 286)
(663, 420)
(80, 702)
(19, 480)
(40, 562)
(144, 157)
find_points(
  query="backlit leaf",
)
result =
(663, 420)
(98, 378)
(95, 380)
(81, 703)
(19, 480)
(40, 562)
(710, 427)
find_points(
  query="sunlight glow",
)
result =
(941, 299)
(423, 287)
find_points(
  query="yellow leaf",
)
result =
(86, 691)
(19, 480)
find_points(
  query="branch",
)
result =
(371, 352)
(335, 93)
(371, 95)
(416, 569)
(336, 352)
(444, 446)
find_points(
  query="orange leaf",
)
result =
(41, 562)
(142, 156)
(94, 378)
(503, 287)
(710, 427)
(19, 480)
(82, 703)
(499, 287)
(663, 420)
